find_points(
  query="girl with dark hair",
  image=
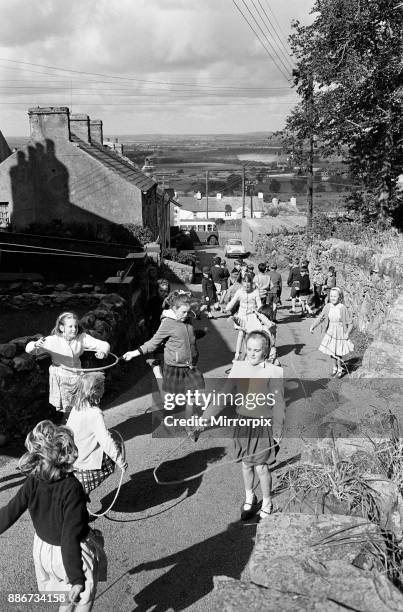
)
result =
(249, 300)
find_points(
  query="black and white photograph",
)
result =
(201, 305)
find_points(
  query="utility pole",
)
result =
(243, 192)
(252, 192)
(310, 161)
(206, 194)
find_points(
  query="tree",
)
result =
(352, 54)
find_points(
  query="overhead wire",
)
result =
(284, 74)
(279, 52)
(278, 24)
(286, 68)
(285, 51)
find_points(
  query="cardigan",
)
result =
(92, 439)
(68, 353)
(59, 513)
(345, 316)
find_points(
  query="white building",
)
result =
(221, 207)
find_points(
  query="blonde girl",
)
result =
(336, 341)
(97, 450)
(256, 446)
(65, 345)
(249, 300)
(65, 549)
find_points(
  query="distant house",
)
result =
(225, 207)
(66, 173)
(252, 229)
(5, 152)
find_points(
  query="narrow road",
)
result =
(165, 544)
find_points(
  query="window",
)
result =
(4, 214)
(209, 228)
(201, 228)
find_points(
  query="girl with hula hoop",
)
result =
(98, 452)
(65, 345)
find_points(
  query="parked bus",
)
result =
(201, 230)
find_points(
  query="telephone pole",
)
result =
(243, 192)
(310, 161)
(206, 194)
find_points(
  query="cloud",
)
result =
(202, 43)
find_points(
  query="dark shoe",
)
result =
(264, 514)
(249, 510)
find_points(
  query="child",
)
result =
(236, 270)
(233, 288)
(304, 291)
(224, 280)
(318, 280)
(335, 342)
(156, 305)
(268, 325)
(256, 446)
(330, 282)
(216, 275)
(262, 282)
(276, 286)
(97, 450)
(294, 279)
(209, 295)
(249, 300)
(65, 345)
(180, 373)
(65, 550)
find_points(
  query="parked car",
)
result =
(235, 248)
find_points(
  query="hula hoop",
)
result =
(119, 485)
(99, 369)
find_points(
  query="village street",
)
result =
(166, 543)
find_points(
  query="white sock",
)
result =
(266, 502)
(248, 496)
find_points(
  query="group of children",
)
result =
(310, 298)
(64, 463)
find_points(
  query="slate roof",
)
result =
(193, 205)
(4, 148)
(114, 162)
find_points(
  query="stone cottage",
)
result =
(66, 173)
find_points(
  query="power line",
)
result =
(280, 56)
(286, 51)
(109, 76)
(277, 22)
(260, 40)
(272, 47)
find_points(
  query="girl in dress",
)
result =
(97, 450)
(256, 446)
(65, 549)
(65, 345)
(336, 341)
(249, 300)
(209, 294)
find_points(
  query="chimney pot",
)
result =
(80, 126)
(96, 131)
(49, 122)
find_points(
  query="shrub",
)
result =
(188, 259)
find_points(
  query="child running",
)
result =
(336, 341)
(262, 282)
(256, 446)
(97, 450)
(249, 300)
(65, 345)
(65, 551)
(176, 332)
(275, 289)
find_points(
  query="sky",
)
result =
(150, 67)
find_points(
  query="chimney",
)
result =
(80, 126)
(96, 131)
(49, 122)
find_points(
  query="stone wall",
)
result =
(177, 272)
(26, 295)
(24, 385)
